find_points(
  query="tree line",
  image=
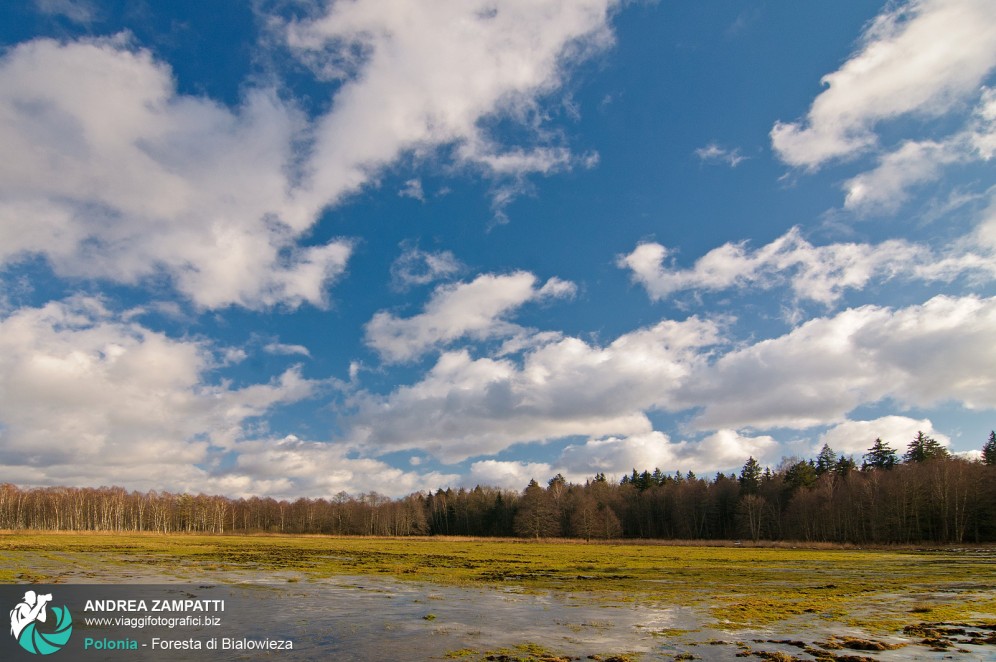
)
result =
(925, 495)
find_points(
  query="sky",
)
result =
(296, 247)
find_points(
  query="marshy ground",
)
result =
(482, 599)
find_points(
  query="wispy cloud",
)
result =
(887, 186)
(283, 349)
(918, 57)
(77, 11)
(477, 309)
(413, 189)
(713, 153)
(418, 267)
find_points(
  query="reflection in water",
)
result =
(371, 618)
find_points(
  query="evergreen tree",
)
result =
(658, 476)
(924, 448)
(800, 474)
(989, 450)
(880, 456)
(750, 476)
(845, 465)
(826, 461)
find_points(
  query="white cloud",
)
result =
(886, 187)
(730, 449)
(418, 76)
(857, 437)
(940, 352)
(413, 189)
(919, 57)
(615, 456)
(930, 354)
(464, 407)
(477, 309)
(77, 11)
(509, 475)
(87, 398)
(84, 393)
(417, 267)
(111, 174)
(985, 233)
(723, 450)
(713, 153)
(292, 467)
(982, 130)
(815, 273)
(286, 349)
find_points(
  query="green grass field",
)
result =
(877, 590)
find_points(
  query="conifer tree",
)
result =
(750, 476)
(924, 448)
(989, 450)
(845, 465)
(826, 461)
(880, 456)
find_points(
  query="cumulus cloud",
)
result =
(940, 351)
(111, 174)
(509, 475)
(84, 393)
(857, 437)
(815, 273)
(477, 309)
(615, 456)
(920, 57)
(292, 467)
(464, 407)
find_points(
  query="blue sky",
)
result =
(297, 248)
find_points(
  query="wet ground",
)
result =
(368, 618)
(364, 618)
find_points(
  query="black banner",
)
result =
(147, 622)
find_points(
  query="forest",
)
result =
(923, 495)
